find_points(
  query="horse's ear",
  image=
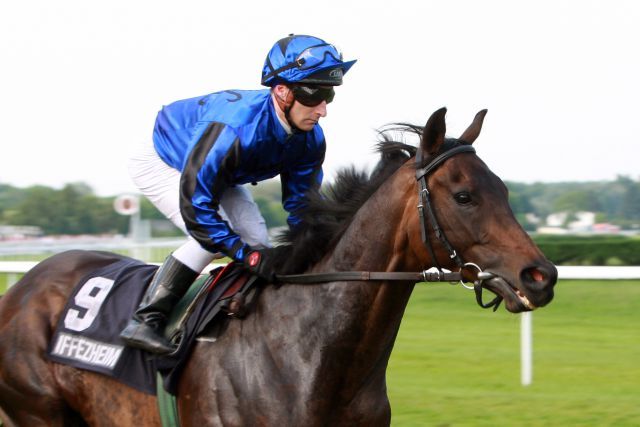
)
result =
(472, 132)
(433, 133)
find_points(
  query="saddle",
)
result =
(226, 287)
(88, 333)
(226, 291)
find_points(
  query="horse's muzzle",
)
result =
(534, 290)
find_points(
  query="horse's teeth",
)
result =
(525, 300)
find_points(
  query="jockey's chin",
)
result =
(305, 118)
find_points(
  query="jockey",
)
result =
(204, 149)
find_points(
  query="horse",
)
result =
(313, 355)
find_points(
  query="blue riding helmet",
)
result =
(304, 59)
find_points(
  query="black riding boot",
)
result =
(145, 329)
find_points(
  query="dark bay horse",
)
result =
(312, 355)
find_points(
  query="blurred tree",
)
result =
(72, 210)
(75, 209)
(577, 200)
(273, 213)
(268, 196)
(630, 206)
(520, 203)
(148, 210)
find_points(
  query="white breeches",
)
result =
(160, 183)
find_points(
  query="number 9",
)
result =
(75, 320)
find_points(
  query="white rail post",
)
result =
(526, 348)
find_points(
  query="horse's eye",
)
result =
(462, 197)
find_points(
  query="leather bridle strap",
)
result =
(366, 276)
(425, 207)
(425, 210)
(438, 160)
(426, 215)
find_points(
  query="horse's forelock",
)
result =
(389, 146)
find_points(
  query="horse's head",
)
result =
(469, 203)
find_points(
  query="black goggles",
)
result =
(312, 96)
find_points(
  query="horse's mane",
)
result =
(330, 209)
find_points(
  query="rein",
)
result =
(366, 276)
(427, 216)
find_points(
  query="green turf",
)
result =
(455, 364)
(4, 282)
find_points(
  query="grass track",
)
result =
(457, 365)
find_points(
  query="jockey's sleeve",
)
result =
(296, 182)
(206, 174)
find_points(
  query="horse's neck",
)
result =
(373, 238)
(349, 327)
(375, 241)
(322, 348)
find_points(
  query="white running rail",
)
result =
(15, 268)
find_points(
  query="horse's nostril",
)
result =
(534, 275)
(537, 275)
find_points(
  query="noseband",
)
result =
(426, 216)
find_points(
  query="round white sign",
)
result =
(126, 204)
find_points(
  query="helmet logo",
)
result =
(336, 73)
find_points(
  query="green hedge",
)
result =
(592, 250)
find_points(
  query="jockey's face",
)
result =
(301, 116)
(305, 118)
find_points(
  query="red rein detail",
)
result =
(221, 273)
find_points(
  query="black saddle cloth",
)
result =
(88, 333)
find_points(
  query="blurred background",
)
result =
(81, 83)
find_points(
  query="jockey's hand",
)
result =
(260, 262)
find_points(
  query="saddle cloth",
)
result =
(87, 334)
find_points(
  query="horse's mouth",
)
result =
(515, 300)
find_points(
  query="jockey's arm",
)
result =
(296, 182)
(207, 173)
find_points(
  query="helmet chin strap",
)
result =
(285, 103)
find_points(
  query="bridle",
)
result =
(427, 217)
(425, 207)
